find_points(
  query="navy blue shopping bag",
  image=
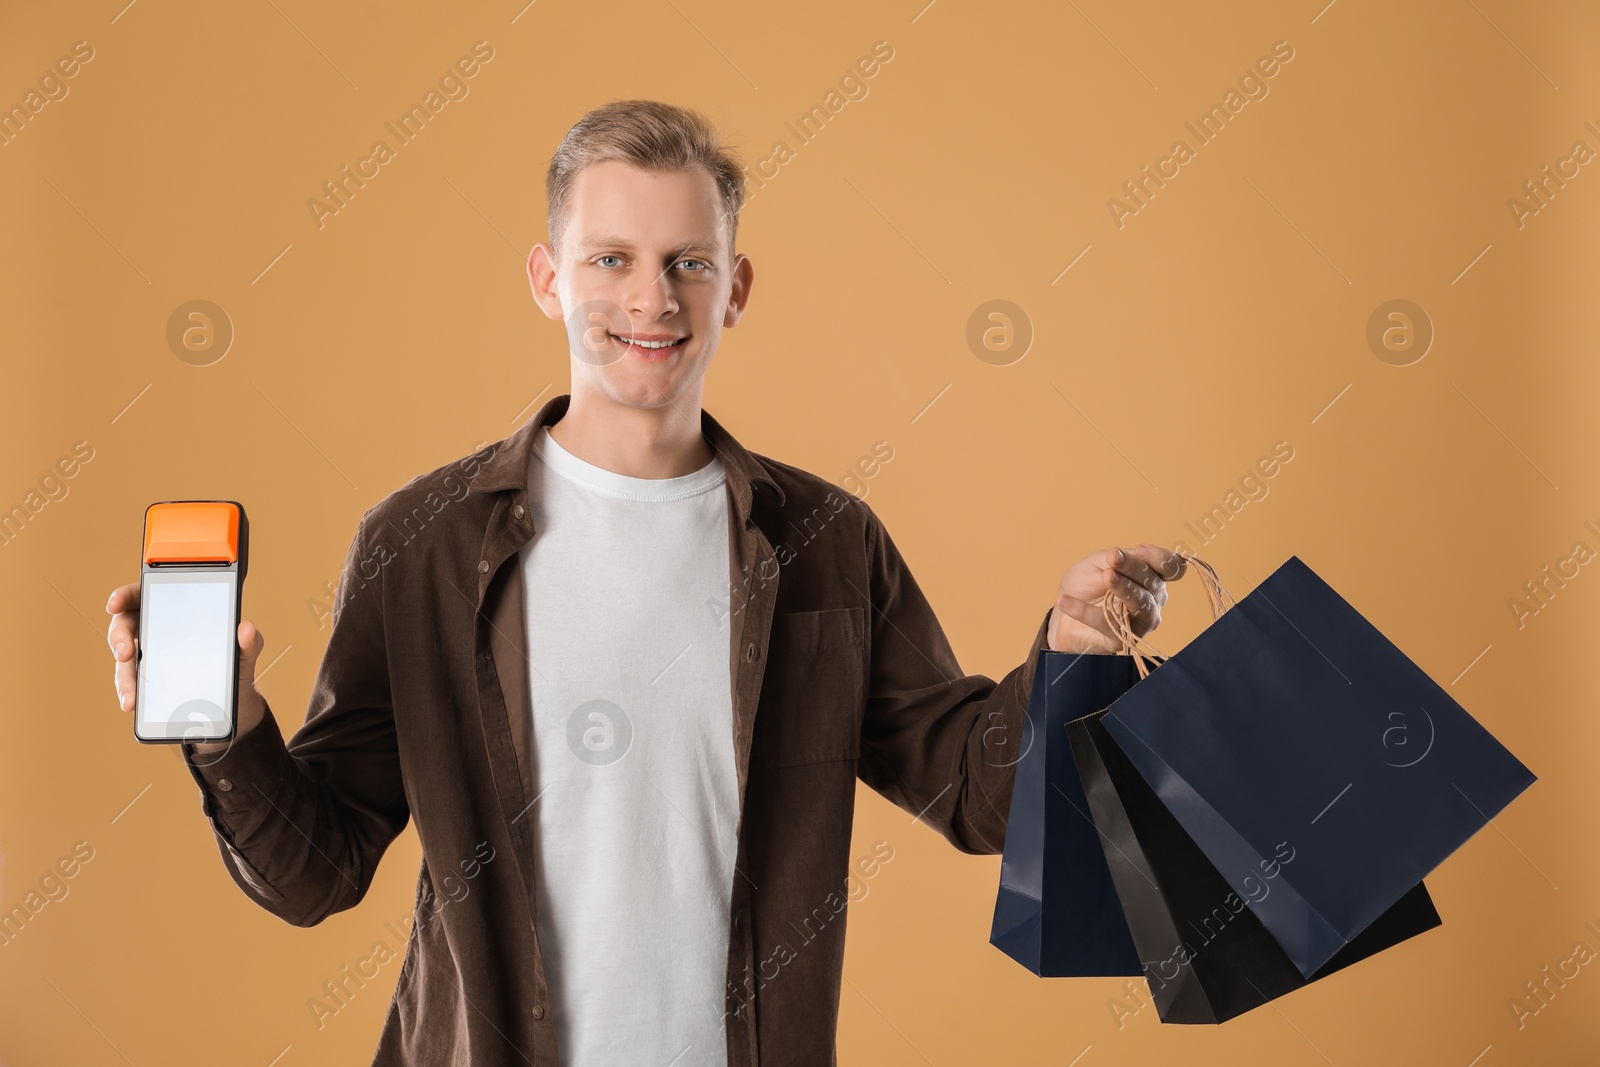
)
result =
(1291, 727)
(1207, 957)
(1057, 912)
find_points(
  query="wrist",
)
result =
(250, 712)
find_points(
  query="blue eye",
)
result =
(702, 265)
(609, 256)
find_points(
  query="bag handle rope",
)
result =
(1116, 610)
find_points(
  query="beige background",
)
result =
(1229, 313)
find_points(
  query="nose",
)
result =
(652, 297)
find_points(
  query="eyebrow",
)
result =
(610, 241)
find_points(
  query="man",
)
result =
(624, 673)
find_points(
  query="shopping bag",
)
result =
(1292, 724)
(1206, 956)
(1057, 912)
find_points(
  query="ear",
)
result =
(744, 275)
(542, 280)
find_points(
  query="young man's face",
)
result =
(644, 257)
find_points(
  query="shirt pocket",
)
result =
(812, 690)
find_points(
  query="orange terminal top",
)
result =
(199, 531)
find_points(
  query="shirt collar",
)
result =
(507, 468)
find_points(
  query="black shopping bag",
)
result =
(1291, 724)
(1206, 955)
(1057, 911)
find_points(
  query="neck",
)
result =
(659, 442)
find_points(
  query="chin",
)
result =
(645, 386)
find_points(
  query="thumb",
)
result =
(251, 642)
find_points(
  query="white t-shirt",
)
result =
(637, 813)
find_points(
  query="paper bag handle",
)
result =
(1133, 645)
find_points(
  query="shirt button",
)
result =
(483, 566)
(224, 784)
(538, 1011)
(517, 511)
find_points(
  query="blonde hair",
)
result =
(650, 135)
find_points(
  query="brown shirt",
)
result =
(420, 710)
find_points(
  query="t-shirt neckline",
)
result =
(549, 451)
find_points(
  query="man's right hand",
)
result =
(123, 637)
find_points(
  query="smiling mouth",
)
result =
(651, 346)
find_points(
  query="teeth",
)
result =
(646, 344)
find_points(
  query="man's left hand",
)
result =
(1138, 577)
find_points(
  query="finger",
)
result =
(123, 605)
(126, 674)
(1143, 553)
(1142, 610)
(1142, 603)
(1093, 617)
(1142, 606)
(1140, 571)
(122, 635)
(1126, 563)
(124, 598)
(251, 642)
(1164, 561)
